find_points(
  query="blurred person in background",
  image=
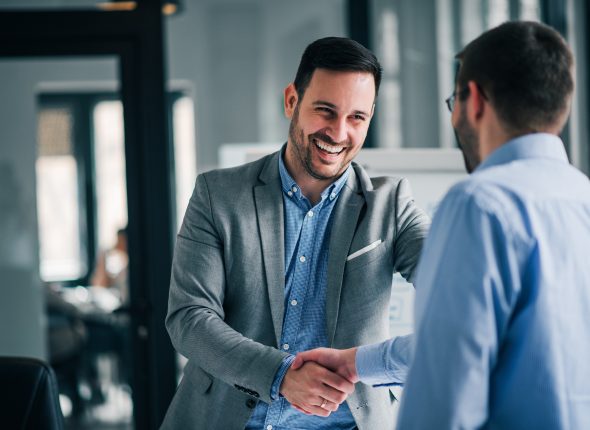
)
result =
(111, 268)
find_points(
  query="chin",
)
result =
(322, 173)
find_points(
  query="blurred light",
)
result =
(169, 7)
(118, 6)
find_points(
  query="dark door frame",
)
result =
(136, 39)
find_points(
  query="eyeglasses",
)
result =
(453, 98)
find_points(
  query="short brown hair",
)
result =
(526, 71)
(336, 54)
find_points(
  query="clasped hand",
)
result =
(319, 380)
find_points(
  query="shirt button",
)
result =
(310, 214)
(289, 193)
(294, 189)
(269, 427)
(293, 302)
(302, 258)
(286, 346)
(332, 196)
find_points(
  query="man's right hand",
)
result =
(315, 390)
(341, 361)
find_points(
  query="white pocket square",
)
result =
(364, 250)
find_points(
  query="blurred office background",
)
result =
(109, 110)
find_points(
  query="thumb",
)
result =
(298, 362)
(301, 358)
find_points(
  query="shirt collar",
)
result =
(537, 145)
(291, 188)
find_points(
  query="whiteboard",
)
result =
(431, 172)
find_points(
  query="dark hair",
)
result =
(336, 54)
(525, 70)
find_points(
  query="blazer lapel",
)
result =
(269, 210)
(347, 211)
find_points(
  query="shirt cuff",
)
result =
(385, 363)
(276, 385)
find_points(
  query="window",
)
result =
(58, 199)
(185, 165)
(419, 66)
(109, 167)
(81, 177)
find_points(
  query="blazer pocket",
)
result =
(364, 250)
(365, 255)
(200, 379)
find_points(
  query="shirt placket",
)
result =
(302, 277)
(303, 256)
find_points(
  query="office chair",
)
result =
(29, 396)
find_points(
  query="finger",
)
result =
(332, 395)
(328, 405)
(302, 357)
(298, 362)
(316, 410)
(337, 382)
(301, 409)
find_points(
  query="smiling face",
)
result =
(329, 124)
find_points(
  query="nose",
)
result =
(338, 130)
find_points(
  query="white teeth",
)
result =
(329, 148)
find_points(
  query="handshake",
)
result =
(319, 380)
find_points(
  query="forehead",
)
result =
(341, 88)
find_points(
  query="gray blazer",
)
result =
(226, 305)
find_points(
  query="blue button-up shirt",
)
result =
(307, 236)
(503, 298)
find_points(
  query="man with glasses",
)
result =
(503, 284)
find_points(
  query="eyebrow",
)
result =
(333, 106)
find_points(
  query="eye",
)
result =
(359, 117)
(325, 110)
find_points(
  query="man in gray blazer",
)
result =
(288, 253)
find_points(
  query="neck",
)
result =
(493, 135)
(313, 190)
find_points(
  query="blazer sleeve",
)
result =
(195, 320)
(412, 226)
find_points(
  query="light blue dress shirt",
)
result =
(307, 235)
(503, 299)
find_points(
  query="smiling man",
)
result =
(292, 252)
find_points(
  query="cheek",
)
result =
(454, 117)
(316, 125)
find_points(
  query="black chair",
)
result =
(29, 396)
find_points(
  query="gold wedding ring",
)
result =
(324, 403)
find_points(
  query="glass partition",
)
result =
(64, 200)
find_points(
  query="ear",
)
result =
(290, 100)
(477, 102)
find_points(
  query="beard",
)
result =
(303, 153)
(468, 141)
